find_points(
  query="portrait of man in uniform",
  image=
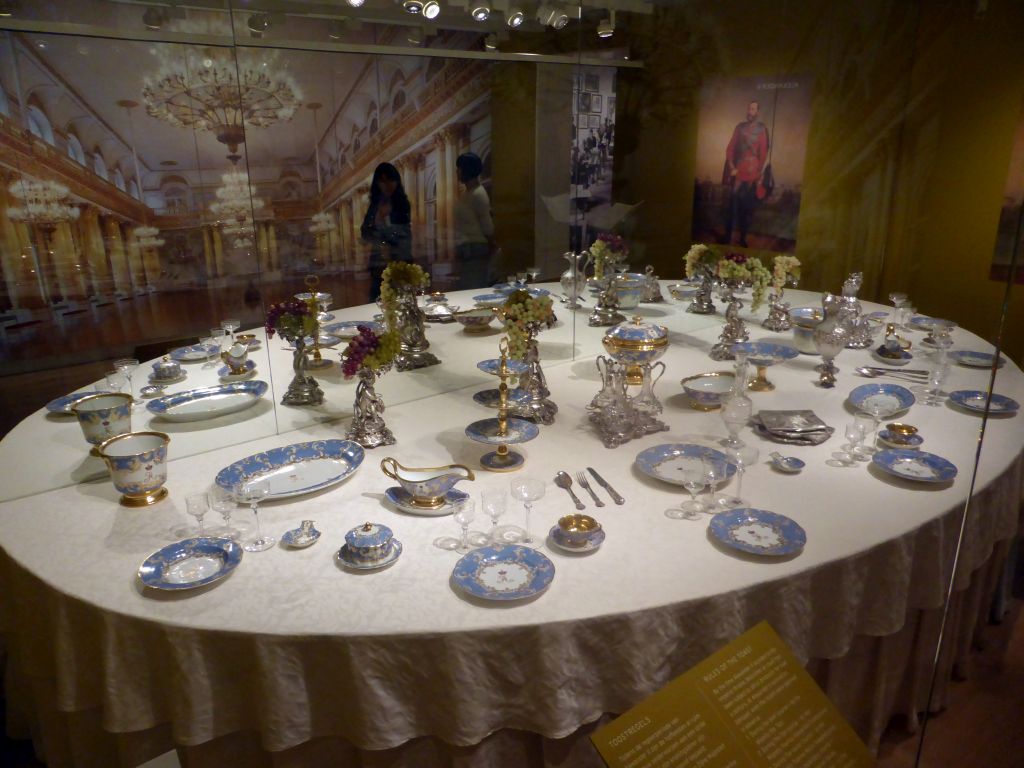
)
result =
(751, 146)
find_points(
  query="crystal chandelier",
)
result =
(148, 237)
(323, 222)
(210, 91)
(42, 202)
(235, 208)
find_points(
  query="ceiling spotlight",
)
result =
(552, 16)
(515, 17)
(607, 27)
(356, 3)
(413, 6)
(480, 12)
(560, 20)
(153, 18)
(8, 8)
(258, 24)
(431, 9)
(491, 42)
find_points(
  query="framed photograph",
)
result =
(592, 83)
(595, 102)
(595, 121)
(584, 103)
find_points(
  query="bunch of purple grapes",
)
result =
(362, 345)
(280, 309)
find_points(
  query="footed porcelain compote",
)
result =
(762, 354)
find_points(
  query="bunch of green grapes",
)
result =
(523, 311)
(385, 353)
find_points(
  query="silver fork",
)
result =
(582, 480)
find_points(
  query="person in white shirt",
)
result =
(474, 229)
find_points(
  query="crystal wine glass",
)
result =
(493, 502)
(528, 490)
(855, 433)
(532, 273)
(222, 502)
(231, 325)
(116, 380)
(128, 366)
(252, 493)
(743, 457)
(938, 372)
(736, 412)
(715, 471)
(218, 335)
(195, 505)
(694, 480)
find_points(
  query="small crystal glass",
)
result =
(938, 372)
(465, 513)
(223, 503)
(231, 325)
(196, 506)
(493, 503)
(116, 380)
(715, 471)
(694, 479)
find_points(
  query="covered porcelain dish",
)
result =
(636, 341)
(438, 310)
(368, 542)
(166, 369)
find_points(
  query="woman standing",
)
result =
(387, 224)
(474, 230)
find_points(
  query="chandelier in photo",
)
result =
(148, 237)
(42, 202)
(209, 90)
(236, 208)
(321, 223)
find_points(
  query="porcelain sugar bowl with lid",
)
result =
(368, 543)
(635, 343)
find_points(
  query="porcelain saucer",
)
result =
(401, 499)
(592, 544)
(388, 559)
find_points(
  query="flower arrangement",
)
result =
(699, 259)
(375, 351)
(785, 269)
(399, 274)
(747, 269)
(521, 310)
(292, 319)
(608, 248)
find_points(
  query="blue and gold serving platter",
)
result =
(190, 563)
(492, 397)
(492, 366)
(758, 532)
(194, 353)
(516, 431)
(762, 353)
(208, 402)
(975, 359)
(293, 470)
(62, 405)
(503, 573)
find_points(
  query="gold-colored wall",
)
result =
(914, 108)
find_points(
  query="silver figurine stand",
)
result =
(303, 389)
(368, 427)
(701, 303)
(538, 407)
(607, 310)
(413, 344)
(733, 332)
(778, 319)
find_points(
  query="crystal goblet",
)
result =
(528, 490)
(252, 493)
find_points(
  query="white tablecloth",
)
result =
(291, 653)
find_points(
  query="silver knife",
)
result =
(604, 484)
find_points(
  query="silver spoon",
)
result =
(789, 464)
(562, 480)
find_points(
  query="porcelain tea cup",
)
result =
(576, 530)
(427, 486)
(104, 415)
(166, 369)
(235, 357)
(138, 466)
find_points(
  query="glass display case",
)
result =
(836, 187)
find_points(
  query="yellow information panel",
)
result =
(749, 705)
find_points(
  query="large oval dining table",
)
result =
(295, 660)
